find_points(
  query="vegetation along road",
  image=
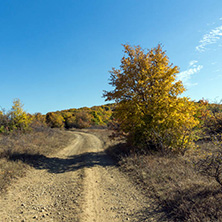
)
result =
(78, 183)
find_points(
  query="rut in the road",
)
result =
(80, 183)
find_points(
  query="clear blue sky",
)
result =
(56, 54)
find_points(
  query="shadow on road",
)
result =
(151, 213)
(59, 165)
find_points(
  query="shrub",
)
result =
(83, 119)
(70, 122)
(210, 163)
(4, 122)
(55, 120)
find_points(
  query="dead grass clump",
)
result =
(10, 170)
(43, 141)
(34, 142)
(184, 193)
(199, 203)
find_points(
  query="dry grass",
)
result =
(42, 142)
(183, 193)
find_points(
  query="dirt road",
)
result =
(79, 183)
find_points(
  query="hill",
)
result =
(96, 117)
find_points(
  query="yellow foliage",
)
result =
(55, 120)
(20, 120)
(148, 107)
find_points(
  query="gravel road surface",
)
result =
(79, 183)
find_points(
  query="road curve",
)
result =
(79, 183)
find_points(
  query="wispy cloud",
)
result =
(212, 23)
(210, 38)
(193, 63)
(186, 75)
(217, 70)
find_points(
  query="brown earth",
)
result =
(79, 183)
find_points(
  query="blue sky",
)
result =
(56, 54)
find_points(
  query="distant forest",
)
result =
(96, 117)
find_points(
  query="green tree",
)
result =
(148, 108)
(96, 119)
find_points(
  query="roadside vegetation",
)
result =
(94, 117)
(26, 136)
(173, 146)
(169, 145)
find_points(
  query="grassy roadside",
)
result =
(183, 193)
(41, 142)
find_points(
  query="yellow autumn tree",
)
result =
(148, 108)
(19, 119)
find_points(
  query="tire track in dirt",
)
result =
(108, 194)
(51, 192)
